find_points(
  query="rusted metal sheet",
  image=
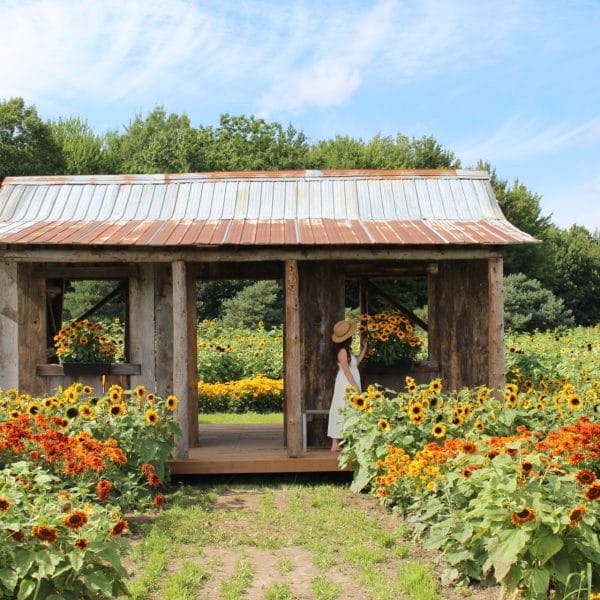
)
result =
(352, 207)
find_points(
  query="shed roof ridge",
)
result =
(306, 174)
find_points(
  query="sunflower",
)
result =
(523, 516)
(118, 528)
(33, 409)
(415, 410)
(171, 402)
(586, 477)
(526, 467)
(469, 447)
(18, 536)
(87, 390)
(576, 515)
(103, 488)
(150, 398)
(574, 402)
(14, 414)
(512, 388)
(479, 425)
(151, 417)
(511, 399)
(81, 543)
(115, 396)
(76, 519)
(117, 410)
(456, 420)
(72, 412)
(418, 419)
(383, 425)
(86, 412)
(435, 386)
(4, 504)
(358, 402)
(592, 493)
(140, 391)
(439, 430)
(45, 533)
(63, 422)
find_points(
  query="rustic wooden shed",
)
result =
(159, 234)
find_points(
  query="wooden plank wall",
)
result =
(321, 305)
(9, 326)
(459, 322)
(32, 329)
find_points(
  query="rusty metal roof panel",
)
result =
(256, 208)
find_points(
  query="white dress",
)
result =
(334, 428)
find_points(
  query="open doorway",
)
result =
(240, 363)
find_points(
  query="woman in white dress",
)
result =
(347, 376)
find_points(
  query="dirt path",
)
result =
(299, 542)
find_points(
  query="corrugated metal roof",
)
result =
(441, 207)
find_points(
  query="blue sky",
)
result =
(516, 83)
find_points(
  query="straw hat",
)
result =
(343, 330)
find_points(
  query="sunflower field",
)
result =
(506, 484)
(239, 370)
(71, 466)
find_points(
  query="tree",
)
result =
(160, 143)
(260, 301)
(522, 208)
(250, 144)
(82, 150)
(576, 264)
(529, 306)
(26, 143)
(344, 152)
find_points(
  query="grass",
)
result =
(347, 542)
(248, 418)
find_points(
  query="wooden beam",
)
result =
(180, 356)
(293, 367)
(120, 289)
(127, 255)
(405, 311)
(9, 326)
(496, 324)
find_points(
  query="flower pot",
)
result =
(388, 376)
(75, 369)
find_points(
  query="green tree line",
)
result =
(563, 269)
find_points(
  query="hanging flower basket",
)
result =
(74, 369)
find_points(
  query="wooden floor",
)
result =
(250, 449)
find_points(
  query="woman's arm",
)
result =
(363, 350)
(342, 358)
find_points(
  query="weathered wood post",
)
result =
(496, 323)
(293, 372)
(180, 356)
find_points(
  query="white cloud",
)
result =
(284, 56)
(518, 140)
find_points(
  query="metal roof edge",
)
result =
(308, 174)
